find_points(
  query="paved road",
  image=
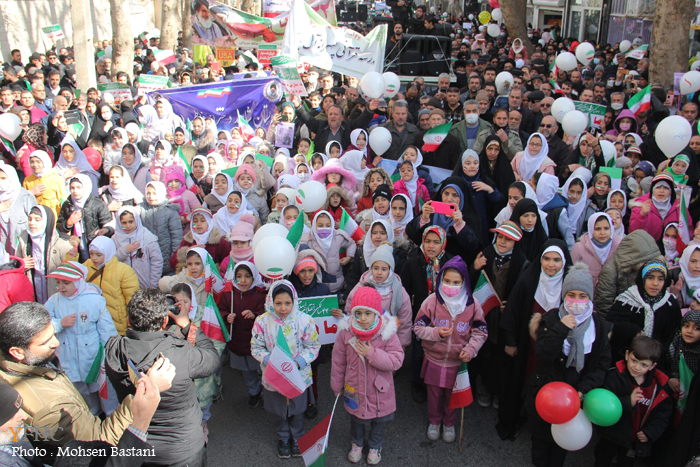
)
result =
(240, 435)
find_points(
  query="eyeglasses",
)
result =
(546, 105)
(535, 145)
(546, 126)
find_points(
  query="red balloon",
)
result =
(557, 403)
(93, 157)
(494, 4)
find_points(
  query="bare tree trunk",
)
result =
(82, 45)
(668, 51)
(122, 38)
(187, 27)
(169, 25)
(514, 18)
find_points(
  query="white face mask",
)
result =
(575, 307)
(313, 77)
(303, 177)
(616, 105)
(669, 243)
(471, 118)
(611, 83)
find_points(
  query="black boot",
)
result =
(284, 449)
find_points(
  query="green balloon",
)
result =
(602, 407)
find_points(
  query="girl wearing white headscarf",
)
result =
(533, 159)
(554, 204)
(548, 292)
(223, 185)
(134, 134)
(113, 152)
(355, 162)
(688, 281)
(516, 192)
(78, 164)
(215, 163)
(378, 232)
(45, 183)
(597, 245)
(162, 158)
(399, 203)
(138, 247)
(15, 205)
(121, 190)
(362, 146)
(132, 160)
(149, 120)
(579, 209)
(225, 219)
(162, 219)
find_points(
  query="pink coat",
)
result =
(652, 222)
(404, 315)
(421, 192)
(547, 166)
(469, 331)
(367, 383)
(583, 251)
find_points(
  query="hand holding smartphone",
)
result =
(443, 208)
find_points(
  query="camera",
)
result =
(171, 303)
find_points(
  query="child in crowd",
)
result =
(616, 217)
(138, 247)
(597, 245)
(646, 401)
(318, 160)
(244, 182)
(327, 241)
(366, 353)
(216, 199)
(685, 345)
(200, 182)
(677, 168)
(395, 300)
(203, 234)
(236, 205)
(304, 148)
(401, 214)
(414, 155)
(289, 215)
(333, 150)
(283, 198)
(241, 240)
(451, 326)
(161, 219)
(45, 183)
(174, 179)
(193, 274)
(375, 177)
(668, 245)
(411, 185)
(82, 325)
(381, 207)
(299, 331)
(618, 199)
(334, 172)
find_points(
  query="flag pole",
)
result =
(486, 276)
(461, 431)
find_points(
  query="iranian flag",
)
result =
(435, 136)
(297, 229)
(485, 295)
(212, 323)
(244, 127)
(181, 156)
(281, 371)
(165, 57)
(462, 391)
(212, 279)
(228, 276)
(313, 444)
(686, 376)
(641, 101)
(97, 372)
(684, 235)
(348, 224)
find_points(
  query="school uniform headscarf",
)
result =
(104, 245)
(167, 158)
(149, 119)
(352, 161)
(226, 221)
(257, 278)
(9, 189)
(691, 284)
(532, 241)
(455, 305)
(134, 166)
(432, 267)
(354, 134)
(203, 238)
(302, 177)
(127, 190)
(368, 248)
(409, 213)
(575, 210)
(193, 300)
(548, 293)
(547, 188)
(39, 238)
(219, 165)
(141, 234)
(324, 242)
(602, 250)
(224, 197)
(624, 196)
(530, 163)
(45, 159)
(161, 191)
(79, 162)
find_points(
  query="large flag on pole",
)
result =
(435, 136)
(462, 391)
(243, 125)
(313, 444)
(641, 101)
(281, 371)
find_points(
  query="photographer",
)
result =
(176, 431)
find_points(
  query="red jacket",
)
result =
(242, 328)
(421, 192)
(652, 222)
(15, 286)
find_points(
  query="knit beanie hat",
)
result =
(243, 231)
(245, 169)
(367, 298)
(382, 190)
(481, 96)
(10, 402)
(621, 162)
(69, 271)
(384, 252)
(306, 262)
(578, 278)
(510, 229)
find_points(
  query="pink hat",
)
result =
(335, 166)
(367, 298)
(307, 262)
(245, 169)
(243, 231)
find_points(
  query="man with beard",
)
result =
(416, 24)
(204, 24)
(28, 362)
(392, 45)
(558, 149)
(500, 128)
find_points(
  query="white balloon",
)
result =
(695, 65)
(10, 126)
(310, 196)
(274, 257)
(379, 141)
(561, 107)
(269, 230)
(585, 53)
(573, 435)
(392, 84)
(497, 14)
(574, 122)
(471, 17)
(504, 81)
(625, 46)
(373, 85)
(673, 135)
(566, 61)
(494, 30)
(690, 82)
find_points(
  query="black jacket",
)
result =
(414, 277)
(559, 152)
(619, 381)
(359, 267)
(95, 216)
(446, 156)
(322, 129)
(666, 318)
(175, 431)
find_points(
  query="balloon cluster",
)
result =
(559, 404)
(573, 121)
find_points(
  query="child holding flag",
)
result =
(451, 326)
(366, 353)
(82, 324)
(284, 338)
(684, 350)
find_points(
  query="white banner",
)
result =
(310, 38)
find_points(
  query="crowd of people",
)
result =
(112, 231)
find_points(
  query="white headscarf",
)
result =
(192, 314)
(289, 180)
(205, 162)
(39, 240)
(9, 189)
(141, 234)
(104, 245)
(202, 239)
(663, 206)
(548, 293)
(354, 134)
(220, 163)
(601, 253)
(530, 163)
(624, 196)
(45, 159)
(455, 305)
(134, 129)
(257, 278)
(161, 191)
(127, 190)
(412, 184)
(87, 190)
(690, 283)
(547, 188)
(368, 248)
(134, 166)
(79, 162)
(168, 153)
(409, 213)
(352, 161)
(324, 242)
(226, 221)
(222, 198)
(575, 210)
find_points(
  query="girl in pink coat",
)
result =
(451, 326)
(657, 208)
(597, 245)
(174, 178)
(366, 353)
(410, 185)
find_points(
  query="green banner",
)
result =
(319, 308)
(595, 112)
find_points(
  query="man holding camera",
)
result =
(176, 430)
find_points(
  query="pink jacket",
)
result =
(404, 315)
(421, 192)
(652, 222)
(547, 166)
(583, 251)
(469, 332)
(367, 383)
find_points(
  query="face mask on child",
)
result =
(324, 233)
(669, 243)
(575, 307)
(625, 126)
(303, 176)
(451, 290)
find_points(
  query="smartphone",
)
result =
(443, 208)
(72, 116)
(283, 118)
(134, 373)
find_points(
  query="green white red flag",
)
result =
(212, 323)
(97, 372)
(485, 294)
(313, 444)
(684, 235)
(247, 131)
(435, 136)
(181, 156)
(348, 224)
(462, 392)
(641, 101)
(281, 371)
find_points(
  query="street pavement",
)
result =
(241, 436)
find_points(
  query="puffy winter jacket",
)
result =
(652, 221)
(163, 222)
(96, 215)
(216, 246)
(118, 283)
(367, 383)
(583, 251)
(15, 286)
(241, 329)
(54, 194)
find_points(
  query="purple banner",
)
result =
(254, 98)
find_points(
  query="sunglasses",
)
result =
(546, 105)
(546, 126)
